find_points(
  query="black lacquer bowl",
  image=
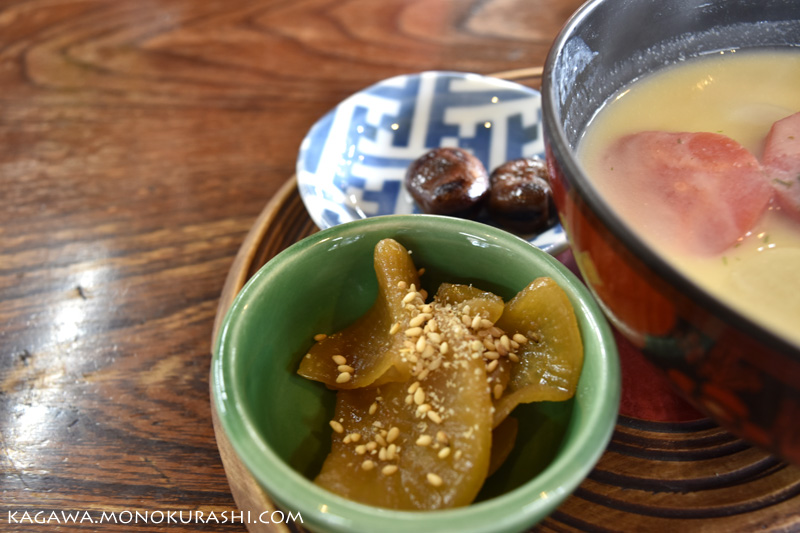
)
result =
(737, 372)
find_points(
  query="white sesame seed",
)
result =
(513, 357)
(444, 452)
(434, 416)
(413, 388)
(337, 426)
(346, 368)
(320, 337)
(417, 321)
(497, 391)
(520, 338)
(433, 479)
(393, 434)
(388, 470)
(413, 332)
(419, 396)
(339, 359)
(410, 297)
(368, 465)
(420, 346)
(395, 328)
(344, 377)
(476, 322)
(361, 449)
(373, 408)
(424, 440)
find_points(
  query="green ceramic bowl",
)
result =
(277, 421)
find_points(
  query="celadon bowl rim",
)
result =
(514, 510)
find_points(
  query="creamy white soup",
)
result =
(739, 95)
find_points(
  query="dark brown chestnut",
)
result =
(448, 181)
(520, 197)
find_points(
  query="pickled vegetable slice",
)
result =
(369, 351)
(422, 444)
(551, 360)
(486, 304)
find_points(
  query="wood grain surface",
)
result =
(139, 141)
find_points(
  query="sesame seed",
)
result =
(419, 396)
(505, 342)
(420, 346)
(433, 479)
(380, 440)
(391, 452)
(393, 434)
(337, 426)
(402, 284)
(395, 328)
(373, 408)
(441, 436)
(409, 399)
(320, 337)
(372, 446)
(457, 455)
(444, 348)
(424, 408)
(444, 452)
(492, 365)
(368, 465)
(361, 449)
(346, 368)
(497, 391)
(513, 357)
(417, 320)
(434, 416)
(413, 332)
(388, 470)
(413, 388)
(486, 323)
(421, 271)
(519, 338)
(382, 454)
(344, 377)
(491, 355)
(489, 345)
(476, 322)
(355, 437)
(476, 346)
(424, 440)
(339, 359)
(409, 297)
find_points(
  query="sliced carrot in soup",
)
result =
(699, 192)
(782, 162)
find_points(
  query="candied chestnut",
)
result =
(448, 181)
(520, 197)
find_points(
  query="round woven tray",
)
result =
(654, 476)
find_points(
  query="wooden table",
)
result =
(139, 141)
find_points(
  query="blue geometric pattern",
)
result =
(352, 162)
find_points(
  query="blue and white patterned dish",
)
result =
(352, 162)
